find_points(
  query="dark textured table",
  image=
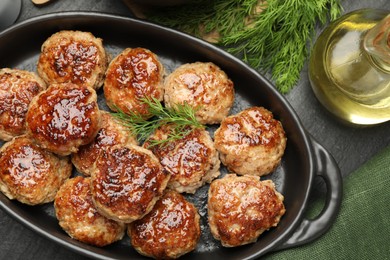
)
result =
(350, 146)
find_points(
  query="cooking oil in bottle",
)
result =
(349, 67)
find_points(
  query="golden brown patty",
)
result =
(241, 208)
(73, 56)
(192, 160)
(202, 85)
(64, 117)
(133, 74)
(17, 88)
(169, 231)
(111, 133)
(29, 173)
(79, 218)
(127, 180)
(251, 142)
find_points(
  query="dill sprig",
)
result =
(181, 117)
(276, 39)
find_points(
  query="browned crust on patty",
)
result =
(192, 160)
(203, 86)
(73, 56)
(127, 180)
(64, 117)
(134, 74)
(112, 132)
(29, 173)
(169, 231)
(241, 208)
(251, 142)
(17, 88)
(79, 218)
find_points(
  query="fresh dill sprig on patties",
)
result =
(181, 117)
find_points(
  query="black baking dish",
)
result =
(304, 158)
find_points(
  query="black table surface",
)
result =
(350, 146)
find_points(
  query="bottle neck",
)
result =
(377, 43)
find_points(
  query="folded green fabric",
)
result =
(362, 229)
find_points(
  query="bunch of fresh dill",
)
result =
(271, 36)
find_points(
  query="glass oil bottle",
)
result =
(349, 67)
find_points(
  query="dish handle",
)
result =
(311, 229)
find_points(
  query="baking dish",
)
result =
(304, 159)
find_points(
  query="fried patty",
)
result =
(73, 56)
(241, 208)
(112, 132)
(17, 88)
(79, 218)
(134, 74)
(203, 86)
(127, 180)
(192, 160)
(29, 173)
(251, 142)
(64, 117)
(169, 231)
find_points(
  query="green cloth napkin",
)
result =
(362, 229)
